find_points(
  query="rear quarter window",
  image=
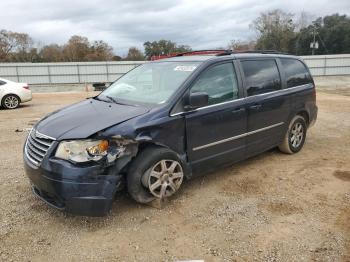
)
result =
(2, 82)
(262, 76)
(296, 72)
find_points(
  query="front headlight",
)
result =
(82, 150)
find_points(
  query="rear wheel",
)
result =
(295, 136)
(10, 101)
(155, 173)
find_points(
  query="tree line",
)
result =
(276, 30)
(280, 31)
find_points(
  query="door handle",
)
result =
(255, 107)
(238, 110)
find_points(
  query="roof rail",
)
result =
(216, 52)
(206, 52)
(262, 52)
(195, 52)
(222, 52)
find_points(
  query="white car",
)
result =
(12, 93)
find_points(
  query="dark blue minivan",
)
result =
(165, 121)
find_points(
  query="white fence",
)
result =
(65, 73)
(90, 72)
(328, 65)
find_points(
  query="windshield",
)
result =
(150, 83)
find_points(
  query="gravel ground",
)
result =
(273, 207)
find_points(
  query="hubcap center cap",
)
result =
(165, 177)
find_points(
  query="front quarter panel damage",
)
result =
(121, 151)
(128, 138)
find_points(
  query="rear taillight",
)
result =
(26, 86)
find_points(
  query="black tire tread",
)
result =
(143, 161)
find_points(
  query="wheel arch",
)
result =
(143, 144)
(11, 94)
(305, 115)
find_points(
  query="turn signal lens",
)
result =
(99, 149)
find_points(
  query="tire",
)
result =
(10, 101)
(295, 137)
(146, 180)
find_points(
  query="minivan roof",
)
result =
(201, 58)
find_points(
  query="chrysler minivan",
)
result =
(166, 121)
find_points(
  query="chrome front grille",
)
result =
(36, 147)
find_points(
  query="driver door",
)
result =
(215, 133)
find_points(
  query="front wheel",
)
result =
(155, 173)
(295, 136)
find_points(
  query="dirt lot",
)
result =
(273, 207)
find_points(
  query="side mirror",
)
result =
(196, 100)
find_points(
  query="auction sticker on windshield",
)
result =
(185, 68)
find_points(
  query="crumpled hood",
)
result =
(84, 119)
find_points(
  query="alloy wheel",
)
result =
(164, 178)
(11, 102)
(296, 135)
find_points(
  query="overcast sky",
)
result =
(123, 23)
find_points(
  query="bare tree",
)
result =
(238, 45)
(7, 43)
(52, 53)
(100, 51)
(76, 49)
(276, 30)
(134, 54)
(24, 49)
(12, 42)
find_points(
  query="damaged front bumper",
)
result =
(84, 190)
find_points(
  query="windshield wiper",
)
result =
(115, 100)
(99, 99)
(112, 99)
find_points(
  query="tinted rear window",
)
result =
(262, 76)
(296, 72)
